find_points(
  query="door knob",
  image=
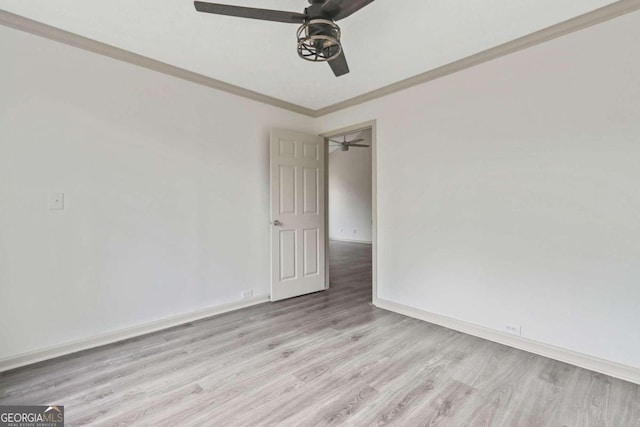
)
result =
(277, 223)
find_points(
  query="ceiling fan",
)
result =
(319, 35)
(344, 144)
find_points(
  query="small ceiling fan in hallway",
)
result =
(319, 35)
(345, 145)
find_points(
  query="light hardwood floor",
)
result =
(322, 359)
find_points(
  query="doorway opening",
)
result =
(350, 204)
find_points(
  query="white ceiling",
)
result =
(385, 42)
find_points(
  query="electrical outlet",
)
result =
(55, 201)
(246, 294)
(513, 329)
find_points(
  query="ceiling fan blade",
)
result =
(358, 145)
(346, 142)
(250, 12)
(346, 8)
(339, 65)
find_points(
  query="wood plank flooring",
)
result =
(322, 359)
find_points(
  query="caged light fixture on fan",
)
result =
(319, 40)
(319, 35)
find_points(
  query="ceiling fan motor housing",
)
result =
(319, 40)
(319, 35)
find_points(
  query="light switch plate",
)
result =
(56, 201)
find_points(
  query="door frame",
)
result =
(371, 124)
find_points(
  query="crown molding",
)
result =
(580, 22)
(586, 20)
(37, 28)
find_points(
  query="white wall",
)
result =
(509, 192)
(166, 186)
(506, 193)
(350, 192)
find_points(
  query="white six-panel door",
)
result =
(297, 214)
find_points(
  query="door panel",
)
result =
(287, 254)
(287, 197)
(311, 251)
(297, 214)
(311, 190)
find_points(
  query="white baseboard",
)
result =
(28, 358)
(365, 242)
(607, 367)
